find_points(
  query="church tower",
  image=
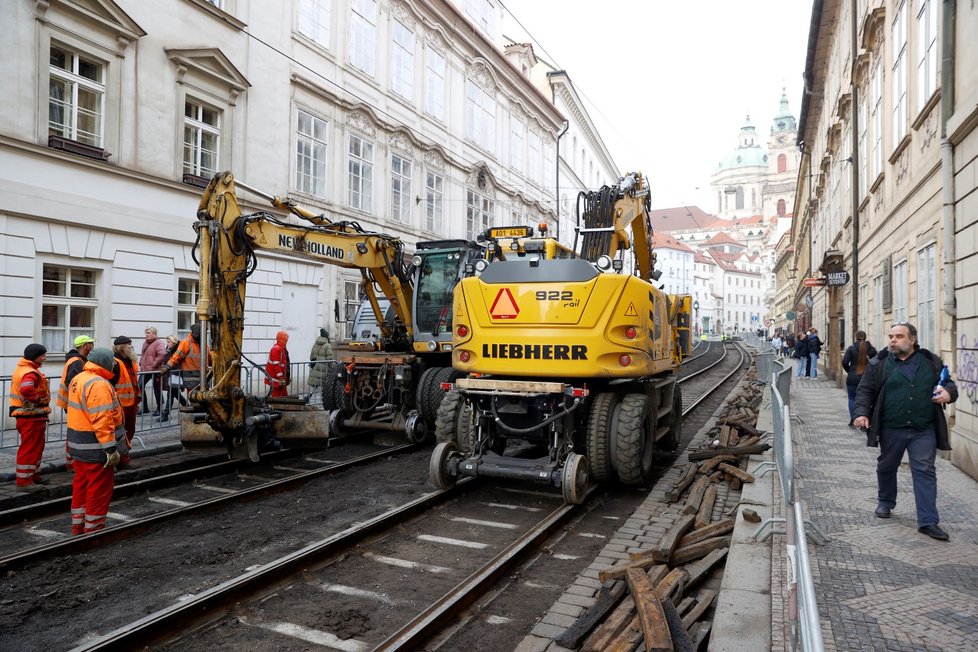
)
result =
(738, 181)
(783, 160)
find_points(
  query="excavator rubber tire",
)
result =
(599, 436)
(453, 422)
(429, 393)
(634, 445)
(332, 390)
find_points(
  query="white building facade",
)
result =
(399, 116)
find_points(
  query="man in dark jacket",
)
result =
(814, 350)
(801, 352)
(900, 390)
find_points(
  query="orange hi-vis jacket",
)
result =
(127, 389)
(95, 420)
(186, 357)
(63, 389)
(30, 395)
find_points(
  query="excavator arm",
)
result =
(228, 240)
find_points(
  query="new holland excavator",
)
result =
(575, 356)
(388, 383)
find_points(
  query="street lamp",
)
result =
(696, 307)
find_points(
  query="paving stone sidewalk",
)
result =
(880, 584)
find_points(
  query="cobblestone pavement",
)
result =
(880, 584)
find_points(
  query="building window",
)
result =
(926, 51)
(533, 156)
(900, 74)
(516, 144)
(863, 159)
(927, 297)
(361, 173)
(363, 35)
(310, 154)
(402, 81)
(68, 306)
(478, 214)
(434, 94)
(400, 189)
(781, 208)
(188, 291)
(877, 118)
(549, 173)
(863, 308)
(740, 198)
(434, 197)
(76, 97)
(878, 310)
(481, 13)
(900, 291)
(314, 18)
(201, 134)
(480, 116)
(352, 296)
(782, 163)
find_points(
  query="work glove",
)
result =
(112, 458)
(165, 369)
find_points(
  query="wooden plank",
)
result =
(704, 515)
(724, 436)
(698, 456)
(703, 602)
(655, 627)
(744, 425)
(685, 605)
(669, 541)
(628, 638)
(713, 530)
(700, 569)
(644, 561)
(681, 642)
(672, 585)
(610, 628)
(736, 472)
(699, 633)
(608, 597)
(707, 467)
(685, 479)
(697, 550)
(696, 495)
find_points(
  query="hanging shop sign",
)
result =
(815, 282)
(837, 278)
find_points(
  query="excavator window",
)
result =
(439, 274)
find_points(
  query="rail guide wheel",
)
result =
(573, 481)
(438, 472)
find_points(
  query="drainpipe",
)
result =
(557, 175)
(947, 157)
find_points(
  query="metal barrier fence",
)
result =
(805, 630)
(165, 400)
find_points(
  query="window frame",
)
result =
(363, 36)
(900, 290)
(319, 16)
(927, 296)
(900, 117)
(517, 141)
(351, 305)
(187, 311)
(360, 184)
(479, 213)
(74, 80)
(927, 52)
(306, 181)
(480, 116)
(434, 201)
(434, 92)
(67, 302)
(402, 61)
(401, 172)
(533, 146)
(198, 126)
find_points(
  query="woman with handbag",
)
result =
(855, 361)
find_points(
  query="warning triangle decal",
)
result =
(504, 306)
(630, 311)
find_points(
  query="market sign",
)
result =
(837, 278)
(815, 282)
(790, 315)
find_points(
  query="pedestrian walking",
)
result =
(74, 363)
(321, 351)
(814, 351)
(125, 379)
(97, 441)
(900, 402)
(854, 362)
(151, 358)
(171, 382)
(776, 344)
(789, 344)
(801, 353)
(30, 405)
(278, 371)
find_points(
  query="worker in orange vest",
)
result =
(74, 363)
(30, 399)
(187, 359)
(97, 440)
(278, 371)
(125, 379)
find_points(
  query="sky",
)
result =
(669, 83)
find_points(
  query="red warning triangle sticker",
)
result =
(630, 311)
(504, 306)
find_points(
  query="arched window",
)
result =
(782, 163)
(781, 208)
(740, 198)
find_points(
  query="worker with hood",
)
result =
(278, 371)
(30, 399)
(187, 359)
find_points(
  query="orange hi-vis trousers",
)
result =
(32, 433)
(91, 493)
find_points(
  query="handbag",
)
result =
(176, 380)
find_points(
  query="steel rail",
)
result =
(427, 623)
(178, 616)
(79, 543)
(694, 374)
(709, 392)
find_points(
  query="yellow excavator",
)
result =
(392, 383)
(575, 356)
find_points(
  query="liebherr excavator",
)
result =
(391, 384)
(575, 355)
